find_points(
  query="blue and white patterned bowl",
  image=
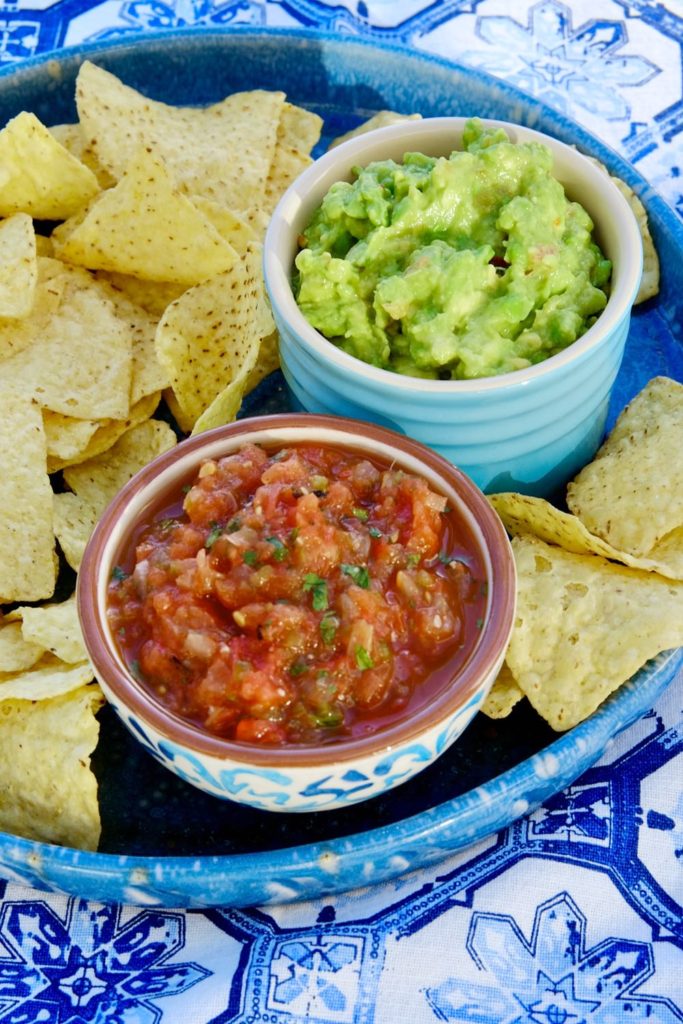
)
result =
(528, 431)
(312, 777)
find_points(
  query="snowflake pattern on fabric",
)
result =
(552, 978)
(89, 967)
(563, 65)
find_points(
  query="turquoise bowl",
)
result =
(527, 431)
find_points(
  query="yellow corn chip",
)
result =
(145, 227)
(632, 494)
(66, 436)
(286, 167)
(18, 266)
(503, 695)
(523, 514)
(72, 138)
(44, 246)
(107, 434)
(267, 360)
(16, 653)
(55, 627)
(222, 152)
(99, 479)
(74, 521)
(226, 405)
(152, 296)
(27, 554)
(207, 336)
(584, 626)
(48, 677)
(47, 790)
(39, 176)
(298, 128)
(234, 229)
(74, 358)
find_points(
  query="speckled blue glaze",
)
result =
(337, 76)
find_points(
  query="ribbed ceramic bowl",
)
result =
(297, 778)
(530, 430)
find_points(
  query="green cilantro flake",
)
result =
(413, 559)
(279, 549)
(213, 535)
(363, 659)
(318, 588)
(297, 668)
(480, 623)
(374, 532)
(360, 513)
(328, 627)
(358, 573)
(233, 525)
(249, 557)
(118, 574)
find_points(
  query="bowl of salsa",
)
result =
(297, 612)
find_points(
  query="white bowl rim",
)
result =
(350, 153)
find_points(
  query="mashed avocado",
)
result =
(453, 268)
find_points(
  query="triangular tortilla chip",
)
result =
(18, 266)
(145, 227)
(222, 152)
(27, 554)
(37, 175)
(584, 626)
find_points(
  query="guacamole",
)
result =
(453, 268)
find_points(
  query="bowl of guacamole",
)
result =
(453, 267)
(466, 282)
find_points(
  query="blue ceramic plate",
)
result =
(164, 842)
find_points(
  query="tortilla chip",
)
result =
(47, 790)
(152, 296)
(222, 152)
(226, 405)
(649, 282)
(99, 479)
(72, 138)
(230, 226)
(298, 128)
(56, 628)
(44, 246)
(267, 360)
(38, 176)
(72, 354)
(503, 695)
(74, 521)
(27, 554)
(48, 677)
(287, 165)
(16, 653)
(631, 495)
(207, 337)
(145, 227)
(18, 266)
(380, 120)
(583, 627)
(524, 514)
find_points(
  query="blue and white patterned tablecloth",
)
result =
(574, 913)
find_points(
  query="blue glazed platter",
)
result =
(164, 842)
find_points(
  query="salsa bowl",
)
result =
(527, 430)
(309, 773)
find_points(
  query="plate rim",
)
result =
(246, 879)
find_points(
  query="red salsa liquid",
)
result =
(297, 596)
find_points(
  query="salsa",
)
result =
(297, 596)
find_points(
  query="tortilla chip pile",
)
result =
(600, 588)
(148, 284)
